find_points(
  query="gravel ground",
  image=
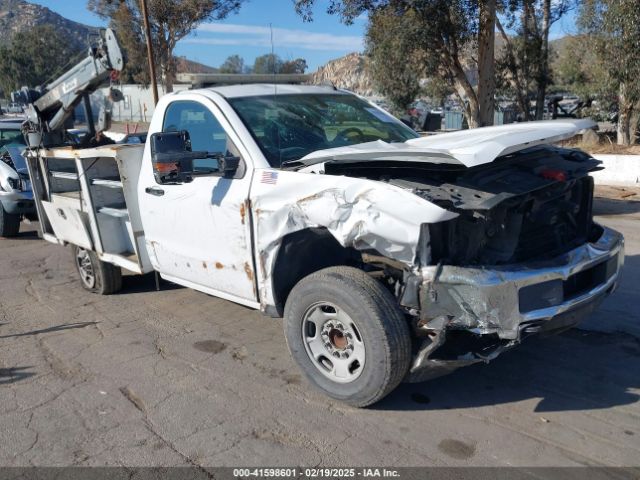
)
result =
(176, 377)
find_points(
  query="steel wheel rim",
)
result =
(85, 268)
(333, 342)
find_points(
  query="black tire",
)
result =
(379, 325)
(9, 223)
(103, 278)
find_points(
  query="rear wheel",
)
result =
(95, 275)
(348, 335)
(9, 223)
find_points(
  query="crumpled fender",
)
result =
(359, 213)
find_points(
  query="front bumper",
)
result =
(18, 203)
(490, 310)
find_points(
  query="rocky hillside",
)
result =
(350, 72)
(19, 15)
(185, 65)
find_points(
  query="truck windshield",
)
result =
(288, 127)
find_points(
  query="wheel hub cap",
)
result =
(337, 341)
(85, 268)
(333, 342)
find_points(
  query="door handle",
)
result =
(158, 192)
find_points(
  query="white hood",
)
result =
(467, 147)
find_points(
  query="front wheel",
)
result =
(95, 275)
(347, 335)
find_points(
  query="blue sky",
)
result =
(248, 33)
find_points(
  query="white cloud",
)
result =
(363, 17)
(260, 36)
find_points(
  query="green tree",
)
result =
(524, 67)
(576, 68)
(390, 44)
(614, 28)
(233, 64)
(132, 41)
(299, 65)
(269, 63)
(451, 33)
(34, 57)
(170, 21)
(437, 89)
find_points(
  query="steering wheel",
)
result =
(345, 134)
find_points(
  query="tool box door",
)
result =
(69, 224)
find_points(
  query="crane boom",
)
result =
(49, 108)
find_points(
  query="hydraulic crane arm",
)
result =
(50, 108)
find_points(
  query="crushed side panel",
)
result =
(359, 213)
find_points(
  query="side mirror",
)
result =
(173, 160)
(172, 157)
(228, 165)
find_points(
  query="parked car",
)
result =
(16, 197)
(14, 108)
(134, 138)
(77, 135)
(391, 257)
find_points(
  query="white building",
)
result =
(137, 105)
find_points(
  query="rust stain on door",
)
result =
(249, 271)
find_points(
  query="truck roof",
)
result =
(260, 89)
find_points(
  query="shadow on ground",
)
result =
(144, 283)
(57, 328)
(576, 370)
(609, 206)
(592, 368)
(14, 374)
(26, 235)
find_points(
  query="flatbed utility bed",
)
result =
(88, 198)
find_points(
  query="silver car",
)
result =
(16, 197)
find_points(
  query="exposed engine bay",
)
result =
(533, 204)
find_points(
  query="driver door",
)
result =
(198, 233)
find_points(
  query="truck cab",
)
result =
(391, 257)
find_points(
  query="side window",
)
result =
(205, 131)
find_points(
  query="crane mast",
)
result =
(51, 107)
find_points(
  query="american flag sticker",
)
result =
(269, 177)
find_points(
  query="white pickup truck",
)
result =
(391, 257)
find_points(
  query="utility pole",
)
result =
(152, 63)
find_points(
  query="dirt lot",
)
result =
(179, 378)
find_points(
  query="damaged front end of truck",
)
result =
(472, 314)
(523, 257)
(511, 251)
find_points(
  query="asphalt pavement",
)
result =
(175, 377)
